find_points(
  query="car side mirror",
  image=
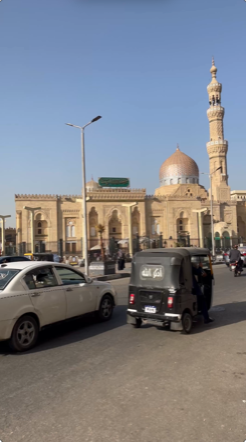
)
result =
(89, 280)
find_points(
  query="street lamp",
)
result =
(211, 205)
(130, 224)
(83, 186)
(32, 210)
(3, 217)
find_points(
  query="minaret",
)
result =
(217, 147)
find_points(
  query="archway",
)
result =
(217, 240)
(115, 226)
(41, 226)
(241, 228)
(226, 240)
(182, 229)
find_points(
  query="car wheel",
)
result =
(25, 334)
(138, 323)
(187, 322)
(106, 308)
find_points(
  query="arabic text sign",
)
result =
(114, 182)
(155, 272)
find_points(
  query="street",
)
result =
(110, 382)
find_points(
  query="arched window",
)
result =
(73, 231)
(68, 231)
(39, 228)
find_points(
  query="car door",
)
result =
(48, 298)
(79, 294)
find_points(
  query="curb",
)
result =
(112, 277)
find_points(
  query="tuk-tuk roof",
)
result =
(174, 251)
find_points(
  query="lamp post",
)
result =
(84, 188)
(32, 210)
(3, 217)
(129, 206)
(211, 205)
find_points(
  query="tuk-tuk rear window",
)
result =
(152, 272)
(204, 260)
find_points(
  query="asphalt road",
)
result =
(109, 382)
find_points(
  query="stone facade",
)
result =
(179, 211)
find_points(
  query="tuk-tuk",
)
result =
(161, 287)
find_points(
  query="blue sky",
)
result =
(142, 65)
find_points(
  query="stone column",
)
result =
(18, 228)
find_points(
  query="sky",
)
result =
(143, 65)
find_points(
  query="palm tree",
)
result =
(101, 229)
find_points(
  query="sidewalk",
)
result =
(126, 273)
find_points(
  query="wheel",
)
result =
(106, 308)
(25, 334)
(187, 322)
(138, 323)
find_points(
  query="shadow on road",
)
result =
(72, 331)
(77, 330)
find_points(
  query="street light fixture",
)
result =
(129, 206)
(3, 217)
(32, 210)
(211, 204)
(83, 187)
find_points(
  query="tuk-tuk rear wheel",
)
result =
(187, 322)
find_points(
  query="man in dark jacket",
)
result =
(198, 271)
(235, 256)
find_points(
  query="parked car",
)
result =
(219, 256)
(35, 294)
(226, 257)
(4, 259)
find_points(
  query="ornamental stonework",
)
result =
(217, 149)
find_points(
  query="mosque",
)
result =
(179, 212)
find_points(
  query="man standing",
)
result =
(198, 271)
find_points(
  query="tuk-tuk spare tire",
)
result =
(187, 322)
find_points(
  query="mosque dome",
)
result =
(179, 169)
(92, 185)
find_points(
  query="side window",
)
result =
(40, 278)
(69, 276)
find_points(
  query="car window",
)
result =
(69, 276)
(40, 278)
(6, 276)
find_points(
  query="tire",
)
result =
(24, 334)
(138, 323)
(187, 322)
(106, 308)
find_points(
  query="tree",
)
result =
(101, 229)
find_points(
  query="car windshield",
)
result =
(5, 277)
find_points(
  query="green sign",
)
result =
(114, 182)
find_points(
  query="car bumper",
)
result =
(171, 317)
(6, 328)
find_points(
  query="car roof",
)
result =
(21, 265)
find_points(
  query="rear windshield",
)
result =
(6, 276)
(204, 260)
(161, 274)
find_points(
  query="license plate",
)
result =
(150, 309)
(219, 256)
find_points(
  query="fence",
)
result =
(111, 245)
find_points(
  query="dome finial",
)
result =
(213, 69)
(178, 147)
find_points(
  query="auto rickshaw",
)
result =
(161, 287)
(44, 256)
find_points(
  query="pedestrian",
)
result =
(198, 271)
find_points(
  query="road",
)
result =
(89, 382)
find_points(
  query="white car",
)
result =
(34, 294)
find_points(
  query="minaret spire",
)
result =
(217, 147)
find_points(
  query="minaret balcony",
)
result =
(218, 142)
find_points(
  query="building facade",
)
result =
(178, 212)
